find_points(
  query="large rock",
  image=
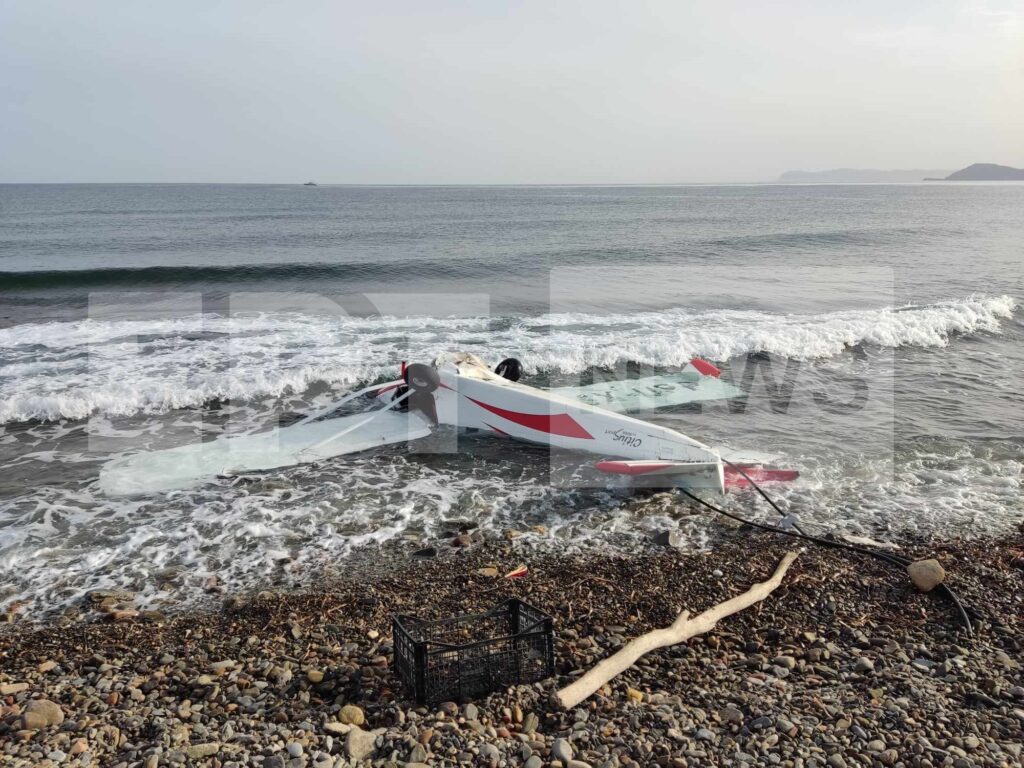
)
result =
(32, 721)
(490, 753)
(417, 754)
(351, 715)
(46, 709)
(359, 744)
(562, 750)
(199, 751)
(731, 715)
(530, 723)
(926, 574)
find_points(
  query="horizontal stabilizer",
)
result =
(655, 467)
(684, 469)
(733, 479)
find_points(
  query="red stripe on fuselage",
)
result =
(561, 424)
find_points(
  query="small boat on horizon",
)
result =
(309, 184)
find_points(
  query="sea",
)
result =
(876, 331)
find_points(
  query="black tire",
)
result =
(510, 369)
(401, 391)
(422, 378)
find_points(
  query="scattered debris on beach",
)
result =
(847, 664)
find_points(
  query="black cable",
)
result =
(757, 488)
(874, 553)
(965, 620)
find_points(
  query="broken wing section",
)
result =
(189, 465)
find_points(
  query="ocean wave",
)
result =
(165, 276)
(71, 370)
(671, 338)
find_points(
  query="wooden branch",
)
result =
(683, 628)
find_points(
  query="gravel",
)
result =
(847, 664)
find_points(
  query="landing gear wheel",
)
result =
(422, 378)
(510, 369)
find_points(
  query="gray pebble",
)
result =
(562, 750)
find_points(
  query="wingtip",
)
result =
(705, 368)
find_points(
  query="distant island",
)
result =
(976, 172)
(857, 176)
(984, 172)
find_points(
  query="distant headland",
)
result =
(976, 172)
(984, 172)
(857, 176)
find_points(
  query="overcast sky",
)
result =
(487, 92)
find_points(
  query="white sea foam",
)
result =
(71, 370)
(291, 527)
(57, 543)
(668, 338)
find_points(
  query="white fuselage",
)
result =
(472, 397)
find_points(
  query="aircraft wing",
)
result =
(189, 465)
(633, 395)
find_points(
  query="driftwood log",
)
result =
(683, 628)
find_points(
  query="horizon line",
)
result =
(774, 182)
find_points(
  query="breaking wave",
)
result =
(670, 338)
(70, 370)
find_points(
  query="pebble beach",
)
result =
(393, 386)
(846, 664)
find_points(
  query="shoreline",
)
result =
(845, 664)
(173, 594)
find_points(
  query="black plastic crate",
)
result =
(468, 656)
